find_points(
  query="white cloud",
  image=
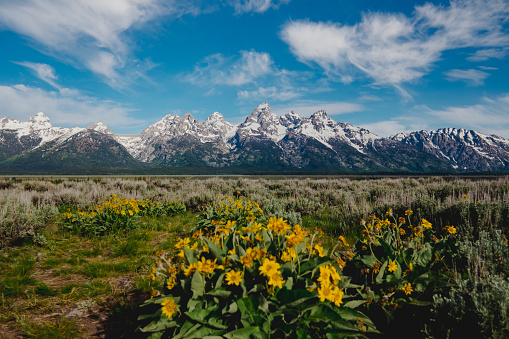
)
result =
(43, 71)
(472, 77)
(87, 33)
(393, 49)
(258, 6)
(306, 108)
(485, 54)
(219, 70)
(21, 101)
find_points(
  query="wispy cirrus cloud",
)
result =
(258, 6)
(43, 71)
(254, 72)
(89, 34)
(472, 77)
(21, 101)
(217, 69)
(393, 49)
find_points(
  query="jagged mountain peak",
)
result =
(321, 114)
(40, 119)
(100, 127)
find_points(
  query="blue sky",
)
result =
(389, 66)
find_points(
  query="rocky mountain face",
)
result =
(264, 141)
(464, 150)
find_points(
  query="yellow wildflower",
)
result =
(426, 224)
(393, 266)
(337, 296)
(269, 267)
(325, 292)
(276, 280)
(170, 283)
(169, 307)
(402, 231)
(407, 288)
(409, 212)
(343, 240)
(190, 269)
(319, 249)
(234, 277)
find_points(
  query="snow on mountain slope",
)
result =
(464, 149)
(38, 126)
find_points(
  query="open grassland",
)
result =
(62, 279)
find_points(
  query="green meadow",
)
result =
(95, 257)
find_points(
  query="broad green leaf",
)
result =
(197, 285)
(220, 279)
(157, 335)
(217, 323)
(398, 272)
(159, 324)
(289, 283)
(354, 303)
(198, 315)
(424, 256)
(389, 251)
(369, 260)
(216, 251)
(186, 327)
(232, 308)
(247, 332)
(220, 292)
(380, 275)
(201, 331)
(190, 256)
(263, 304)
(249, 315)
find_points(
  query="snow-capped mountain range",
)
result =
(263, 140)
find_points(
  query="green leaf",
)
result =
(247, 332)
(369, 260)
(322, 313)
(201, 331)
(424, 256)
(392, 279)
(389, 251)
(380, 275)
(187, 327)
(190, 256)
(197, 285)
(398, 273)
(159, 324)
(232, 308)
(220, 292)
(354, 303)
(249, 315)
(217, 323)
(312, 264)
(157, 335)
(289, 283)
(216, 251)
(220, 279)
(199, 315)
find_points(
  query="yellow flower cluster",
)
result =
(118, 211)
(270, 269)
(328, 281)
